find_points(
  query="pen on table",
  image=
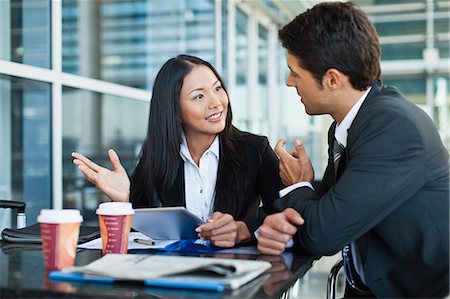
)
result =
(144, 241)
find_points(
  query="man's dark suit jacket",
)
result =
(391, 196)
(261, 184)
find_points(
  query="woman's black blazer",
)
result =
(260, 182)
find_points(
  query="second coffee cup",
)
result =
(115, 223)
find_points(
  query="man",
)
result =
(384, 196)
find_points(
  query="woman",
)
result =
(194, 157)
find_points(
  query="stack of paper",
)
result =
(159, 244)
(168, 271)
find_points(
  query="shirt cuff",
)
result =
(288, 189)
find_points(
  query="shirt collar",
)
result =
(341, 131)
(214, 148)
(186, 155)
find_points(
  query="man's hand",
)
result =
(277, 230)
(294, 166)
(221, 229)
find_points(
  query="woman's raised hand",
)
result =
(113, 183)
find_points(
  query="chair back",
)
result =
(18, 208)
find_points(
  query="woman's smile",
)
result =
(215, 117)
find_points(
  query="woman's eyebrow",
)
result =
(196, 89)
(201, 88)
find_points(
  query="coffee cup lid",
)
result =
(115, 208)
(60, 216)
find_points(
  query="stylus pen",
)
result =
(144, 241)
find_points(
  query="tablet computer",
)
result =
(169, 223)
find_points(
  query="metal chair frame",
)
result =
(333, 278)
(20, 206)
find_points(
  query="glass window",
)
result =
(401, 28)
(412, 87)
(25, 124)
(263, 90)
(127, 42)
(92, 124)
(241, 100)
(385, 2)
(402, 51)
(442, 107)
(224, 41)
(25, 28)
(442, 41)
(399, 50)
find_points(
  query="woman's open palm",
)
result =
(113, 183)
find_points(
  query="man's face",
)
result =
(313, 96)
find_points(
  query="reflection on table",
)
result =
(22, 275)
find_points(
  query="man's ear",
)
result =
(333, 79)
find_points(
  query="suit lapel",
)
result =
(376, 88)
(344, 156)
(342, 164)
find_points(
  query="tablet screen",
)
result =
(169, 223)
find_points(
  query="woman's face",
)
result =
(203, 103)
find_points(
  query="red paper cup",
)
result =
(115, 224)
(59, 233)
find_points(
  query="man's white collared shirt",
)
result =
(341, 131)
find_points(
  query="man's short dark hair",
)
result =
(335, 35)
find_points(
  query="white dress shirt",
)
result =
(341, 131)
(200, 181)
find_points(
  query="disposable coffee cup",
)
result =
(115, 224)
(59, 232)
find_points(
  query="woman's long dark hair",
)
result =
(160, 159)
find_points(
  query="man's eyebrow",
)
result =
(291, 70)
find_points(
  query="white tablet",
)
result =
(169, 223)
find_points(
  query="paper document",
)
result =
(170, 271)
(159, 244)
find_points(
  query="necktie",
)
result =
(338, 148)
(352, 264)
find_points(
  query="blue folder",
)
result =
(187, 246)
(205, 284)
